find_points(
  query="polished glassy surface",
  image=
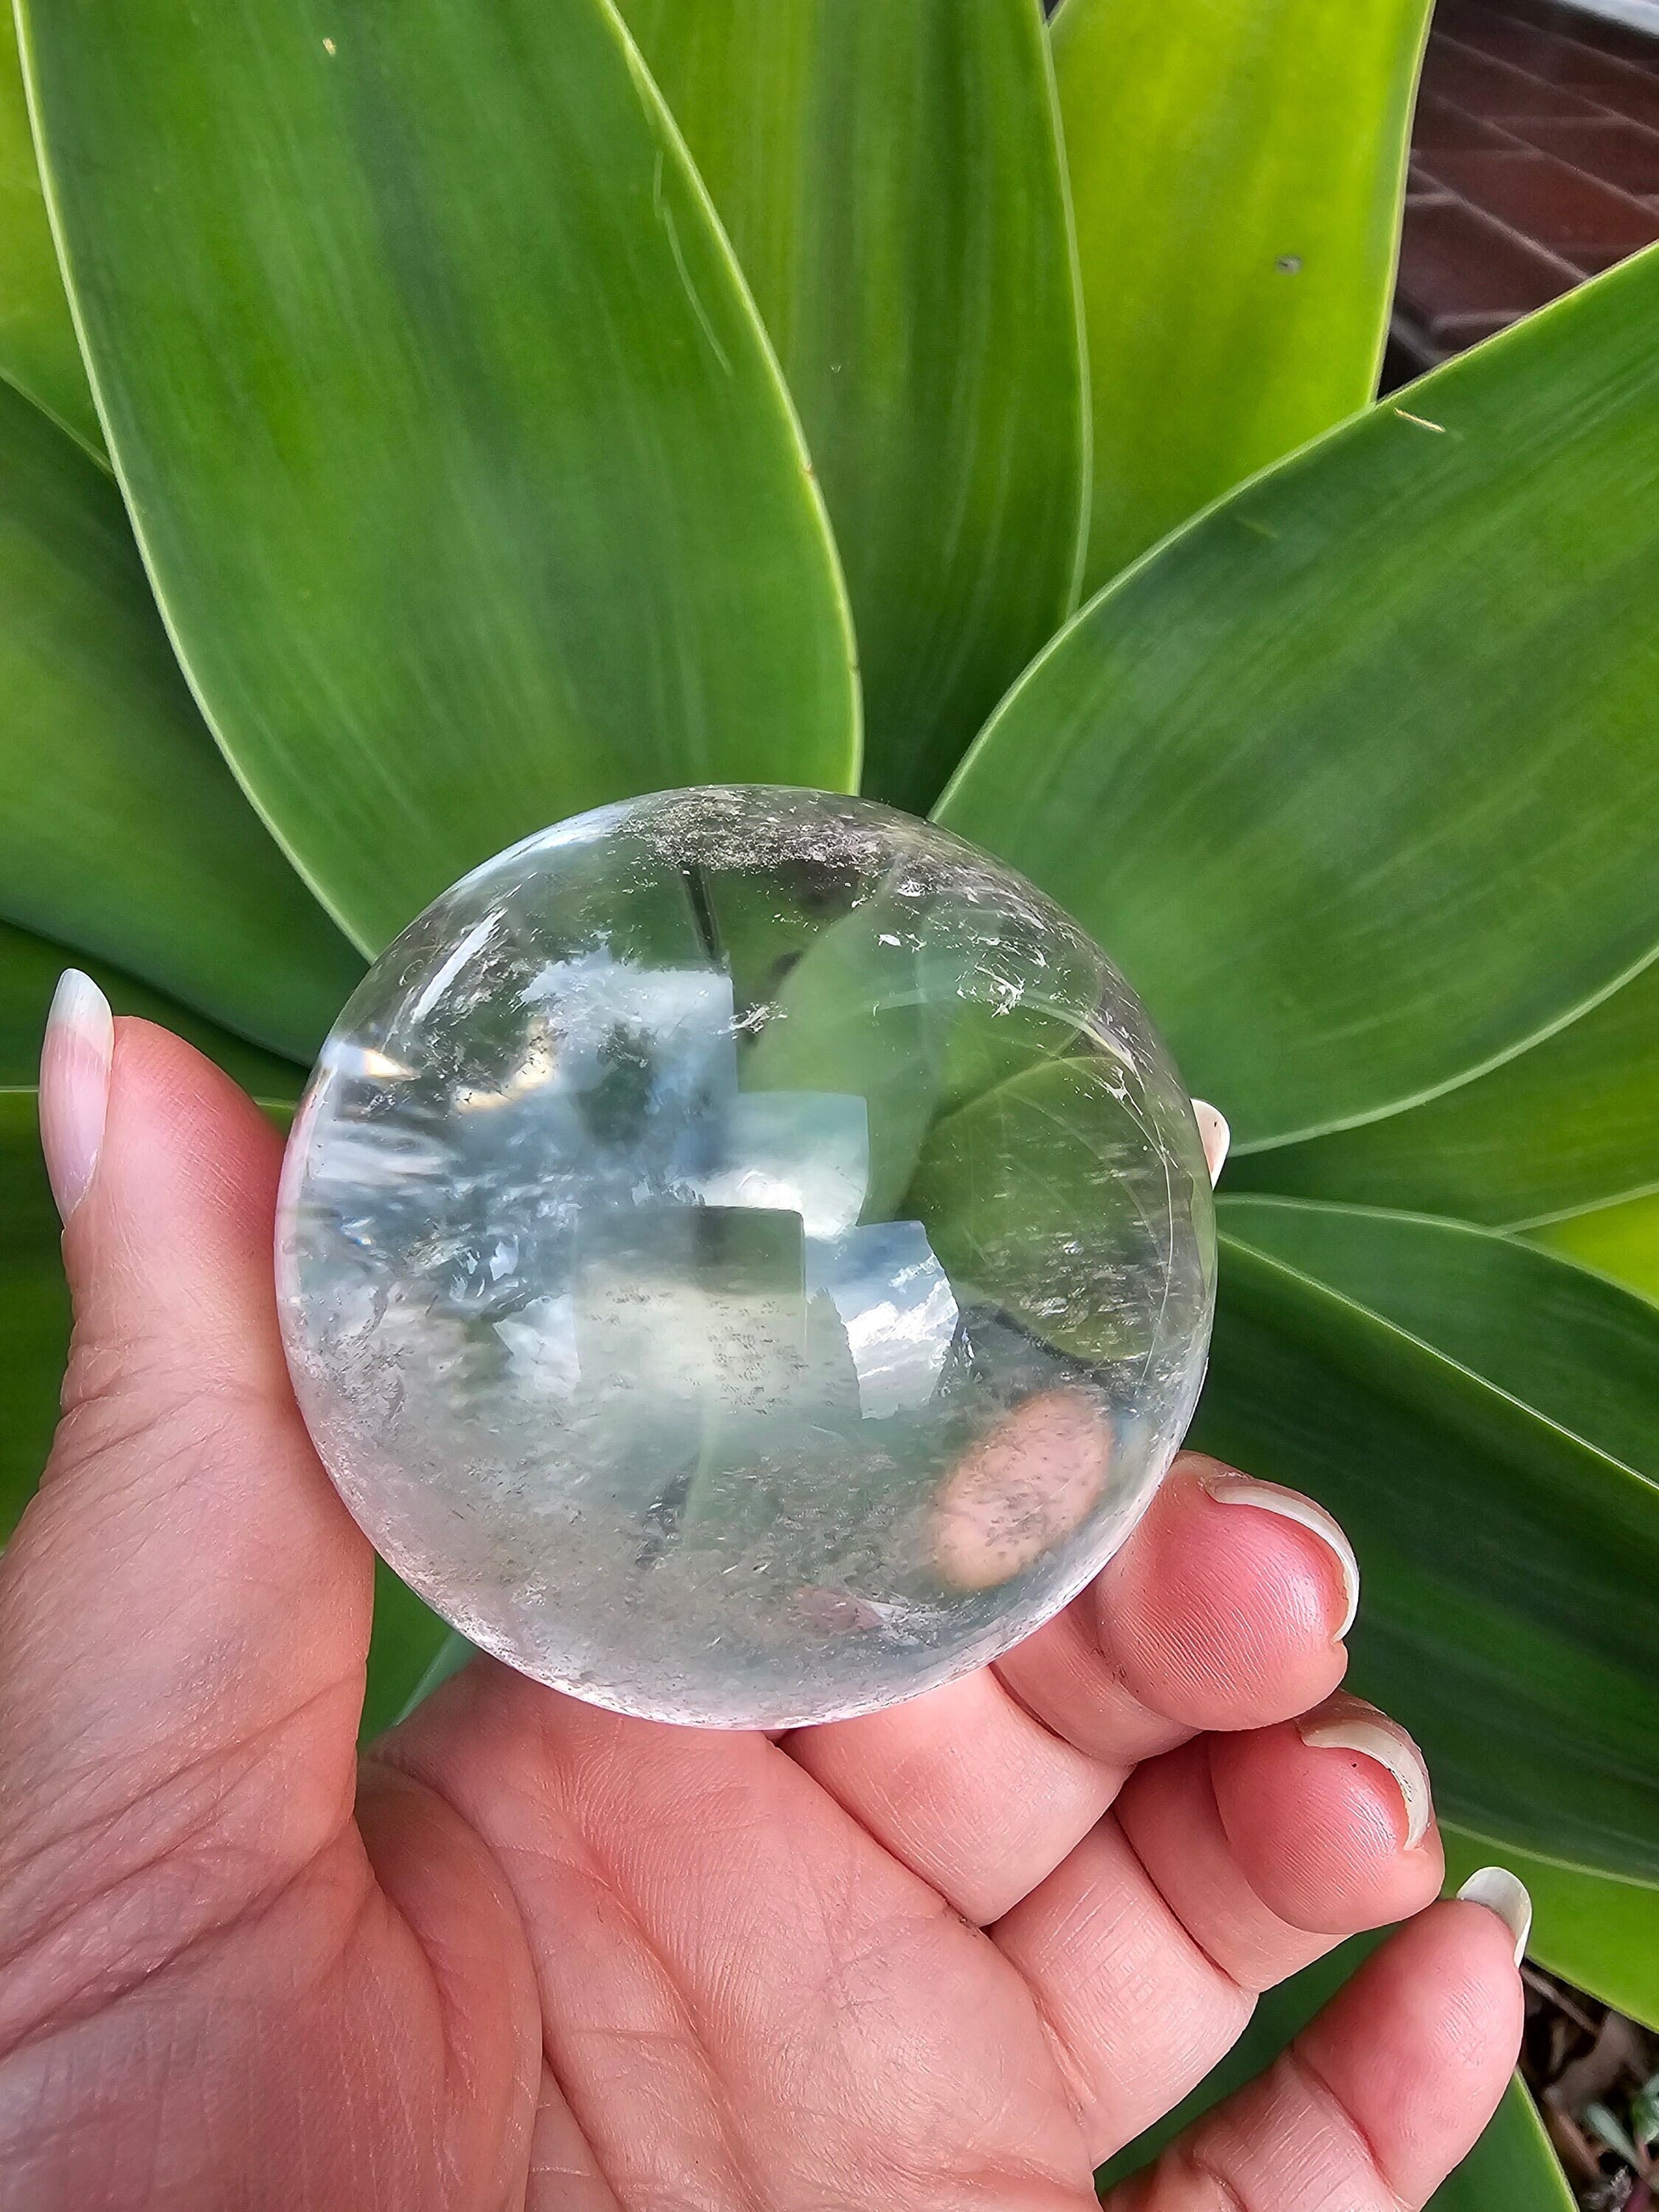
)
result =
(745, 1256)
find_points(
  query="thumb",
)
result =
(184, 1608)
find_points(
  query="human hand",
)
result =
(529, 1954)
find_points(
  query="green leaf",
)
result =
(854, 1016)
(121, 831)
(1509, 1559)
(1002, 1183)
(1599, 1934)
(1622, 1240)
(891, 181)
(1354, 777)
(1577, 1349)
(463, 471)
(406, 1640)
(29, 969)
(38, 350)
(1237, 173)
(1566, 1125)
(1512, 2166)
(450, 1655)
(1280, 2015)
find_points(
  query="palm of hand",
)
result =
(537, 1955)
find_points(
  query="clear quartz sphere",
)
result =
(745, 1256)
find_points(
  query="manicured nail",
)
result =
(1214, 1135)
(1349, 1724)
(74, 1064)
(1506, 1895)
(1228, 1488)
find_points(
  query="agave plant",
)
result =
(452, 416)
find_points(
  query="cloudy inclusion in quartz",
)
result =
(745, 1257)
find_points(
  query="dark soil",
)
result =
(1595, 2076)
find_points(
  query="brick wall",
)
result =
(1534, 164)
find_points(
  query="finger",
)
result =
(963, 1787)
(1271, 1846)
(1225, 1609)
(1378, 2099)
(1226, 1866)
(232, 1591)
(984, 1787)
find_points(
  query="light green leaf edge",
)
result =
(1404, 1395)
(1595, 1931)
(1566, 1341)
(449, 1655)
(408, 1645)
(1512, 2168)
(1600, 1933)
(1565, 1125)
(1621, 1242)
(1174, 768)
(121, 831)
(318, 728)
(1236, 175)
(29, 969)
(38, 355)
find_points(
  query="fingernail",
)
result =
(1350, 1725)
(74, 1064)
(1506, 1895)
(1228, 1488)
(1214, 1135)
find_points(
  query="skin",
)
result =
(527, 1954)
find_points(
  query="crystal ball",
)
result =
(745, 1256)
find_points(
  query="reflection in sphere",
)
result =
(745, 1256)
